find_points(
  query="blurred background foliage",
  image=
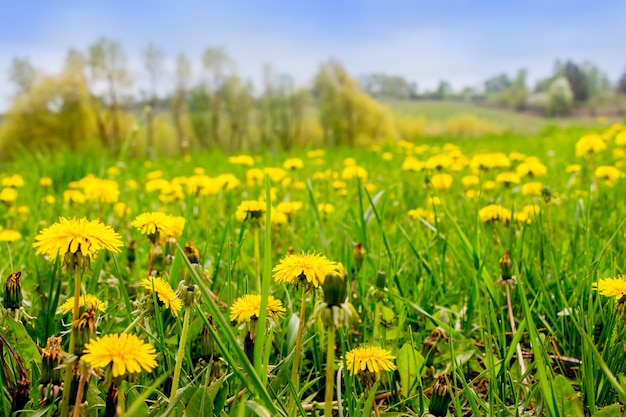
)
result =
(92, 103)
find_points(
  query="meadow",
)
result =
(470, 277)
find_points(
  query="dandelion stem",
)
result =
(296, 355)
(520, 357)
(79, 394)
(330, 362)
(180, 354)
(65, 399)
(257, 257)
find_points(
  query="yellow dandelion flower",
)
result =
(532, 189)
(316, 153)
(469, 181)
(387, 156)
(352, 171)
(293, 164)
(325, 208)
(8, 235)
(442, 181)
(309, 268)
(278, 218)
(254, 176)
(590, 144)
(612, 287)
(289, 207)
(508, 178)
(275, 174)
(71, 236)
(159, 226)
(126, 352)
(100, 190)
(609, 174)
(371, 358)
(73, 196)
(165, 293)
(250, 210)
(15, 180)
(494, 212)
(45, 181)
(90, 301)
(438, 162)
(244, 160)
(420, 213)
(8, 195)
(248, 308)
(412, 164)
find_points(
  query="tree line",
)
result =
(91, 102)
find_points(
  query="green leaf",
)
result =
(610, 411)
(22, 343)
(258, 409)
(567, 400)
(201, 403)
(410, 366)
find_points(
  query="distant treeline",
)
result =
(90, 103)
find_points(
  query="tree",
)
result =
(347, 114)
(577, 81)
(498, 83)
(153, 63)
(389, 86)
(281, 110)
(107, 62)
(560, 97)
(621, 84)
(216, 62)
(179, 99)
(54, 113)
(238, 103)
(22, 74)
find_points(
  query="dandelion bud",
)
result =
(248, 346)
(13, 291)
(208, 347)
(358, 255)
(192, 253)
(85, 327)
(381, 280)
(21, 396)
(440, 398)
(158, 259)
(51, 373)
(131, 253)
(188, 294)
(506, 265)
(335, 291)
(430, 346)
(546, 194)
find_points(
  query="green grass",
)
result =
(427, 289)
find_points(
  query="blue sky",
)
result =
(463, 42)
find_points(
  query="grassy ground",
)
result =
(421, 231)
